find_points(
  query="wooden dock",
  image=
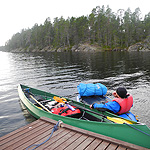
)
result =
(65, 138)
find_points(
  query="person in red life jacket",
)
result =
(122, 102)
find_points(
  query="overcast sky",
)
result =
(21, 14)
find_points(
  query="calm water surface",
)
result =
(60, 73)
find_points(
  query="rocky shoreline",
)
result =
(77, 48)
(141, 46)
(86, 47)
(81, 47)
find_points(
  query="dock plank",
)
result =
(60, 141)
(5, 137)
(65, 138)
(68, 142)
(112, 146)
(53, 139)
(77, 142)
(121, 148)
(35, 138)
(103, 145)
(8, 140)
(25, 137)
(41, 140)
(94, 144)
(85, 143)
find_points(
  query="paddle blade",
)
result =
(119, 120)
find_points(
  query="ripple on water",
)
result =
(60, 73)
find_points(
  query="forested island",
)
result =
(102, 29)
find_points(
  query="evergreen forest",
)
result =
(102, 26)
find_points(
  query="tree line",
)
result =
(102, 26)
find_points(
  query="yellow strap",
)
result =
(119, 120)
(39, 107)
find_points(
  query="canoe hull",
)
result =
(118, 131)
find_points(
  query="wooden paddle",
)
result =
(113, 119)
(40, 104)
(30, 94)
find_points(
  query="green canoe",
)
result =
(138, 134)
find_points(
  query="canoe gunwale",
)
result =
(117, 131)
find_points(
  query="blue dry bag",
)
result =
(91, 89)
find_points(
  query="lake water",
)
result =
(60, 73)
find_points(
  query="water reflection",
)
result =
(4, 62)
(60, 73)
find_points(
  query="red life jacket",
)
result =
(125, 104)
(65, 111)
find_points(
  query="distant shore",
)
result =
(86, 47)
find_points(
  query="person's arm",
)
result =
(112, 106)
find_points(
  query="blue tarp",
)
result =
(91, 89)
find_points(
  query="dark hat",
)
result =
(122, 92)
